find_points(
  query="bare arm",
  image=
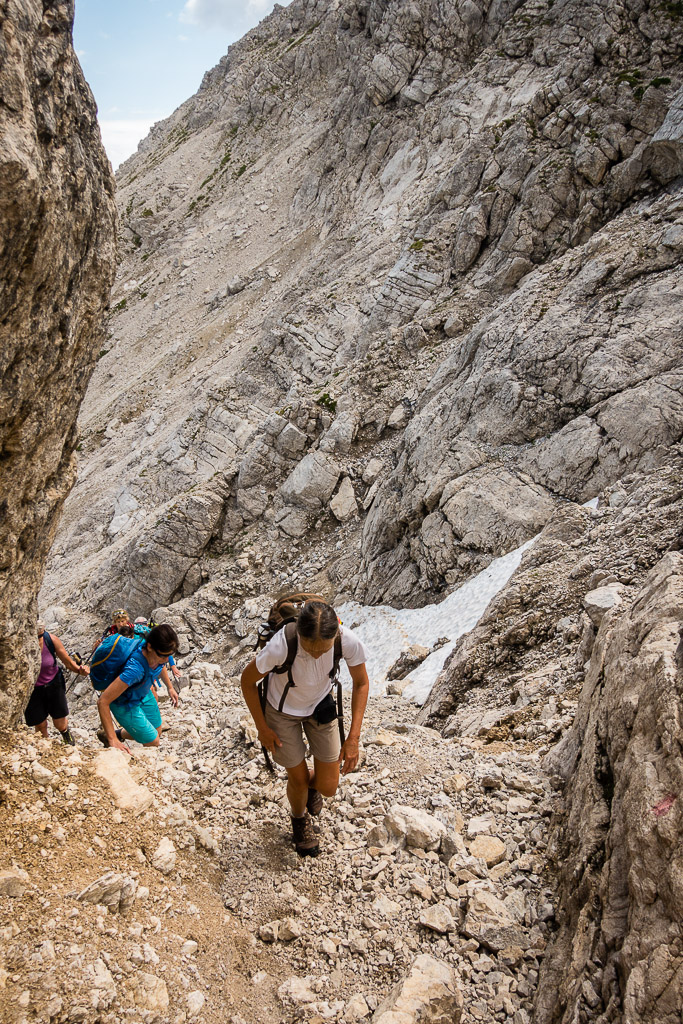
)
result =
(250, 677)
(359, 700)
(66, 659)
(114, 690)
(166, 680)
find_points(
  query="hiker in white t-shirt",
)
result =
(301, 704)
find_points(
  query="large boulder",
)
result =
(429, 994)
(312, 481)
(57, 262)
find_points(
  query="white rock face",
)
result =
(602, 600)
(297, 991)
(113, 767)
(195, 1003)
(40, 773)
(103, 989)
(430, 992)
(415, 827)
(149, 992)
(312, 482)
(164, 857)
(343, 504)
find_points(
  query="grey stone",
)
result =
(113, 890)
(489, 922)
(13, 882)
(430, 992)
(414, 827)
(312, 482)
(343, 504)
(437, 918)
(164, 857)
(598, 602)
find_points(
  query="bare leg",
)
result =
(42, 728)
(154, 743)
(325, 777)
(297, 788)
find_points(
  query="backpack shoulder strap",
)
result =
(50, 645)
(336, 658)
(336, 681)
(292, 645)
(286, 666)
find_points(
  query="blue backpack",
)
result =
(110, 658)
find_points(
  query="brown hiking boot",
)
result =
(305, 839)
(314, 802)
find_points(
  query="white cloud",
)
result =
(233, 15)
(121, 138)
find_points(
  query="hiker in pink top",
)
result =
(48, 699)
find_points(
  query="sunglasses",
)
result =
(163, 654)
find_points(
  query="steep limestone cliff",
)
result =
(581, 652)
(404, 278)
(57, 261)
(617, 848)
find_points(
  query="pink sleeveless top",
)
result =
(48, 667)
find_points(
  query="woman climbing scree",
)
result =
(301, 662)
(127, 696)
(48, 699)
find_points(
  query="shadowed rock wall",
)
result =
(618, 954)
(57, 261)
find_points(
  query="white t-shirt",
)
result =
(311, 675)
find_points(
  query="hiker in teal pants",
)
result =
(129, 698)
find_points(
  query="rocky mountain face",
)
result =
(397, 282)
(582, 650)
(399, 289)
(57, 260)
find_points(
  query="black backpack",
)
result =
(283, 615)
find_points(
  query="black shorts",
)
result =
(47, 702)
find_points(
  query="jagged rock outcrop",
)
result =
(542, 617)
(445, 238)
(580, 650)
(57, 259)
(617, 848)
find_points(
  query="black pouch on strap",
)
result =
(326, 711)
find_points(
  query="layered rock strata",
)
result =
(406, 278)
(57, 218)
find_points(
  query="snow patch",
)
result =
(387, 632)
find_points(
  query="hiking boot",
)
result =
(314, 803)
(67, 738)
(102, 736)
(305, 839)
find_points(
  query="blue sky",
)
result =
(143, 58)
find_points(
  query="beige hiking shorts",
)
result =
(322, 739)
